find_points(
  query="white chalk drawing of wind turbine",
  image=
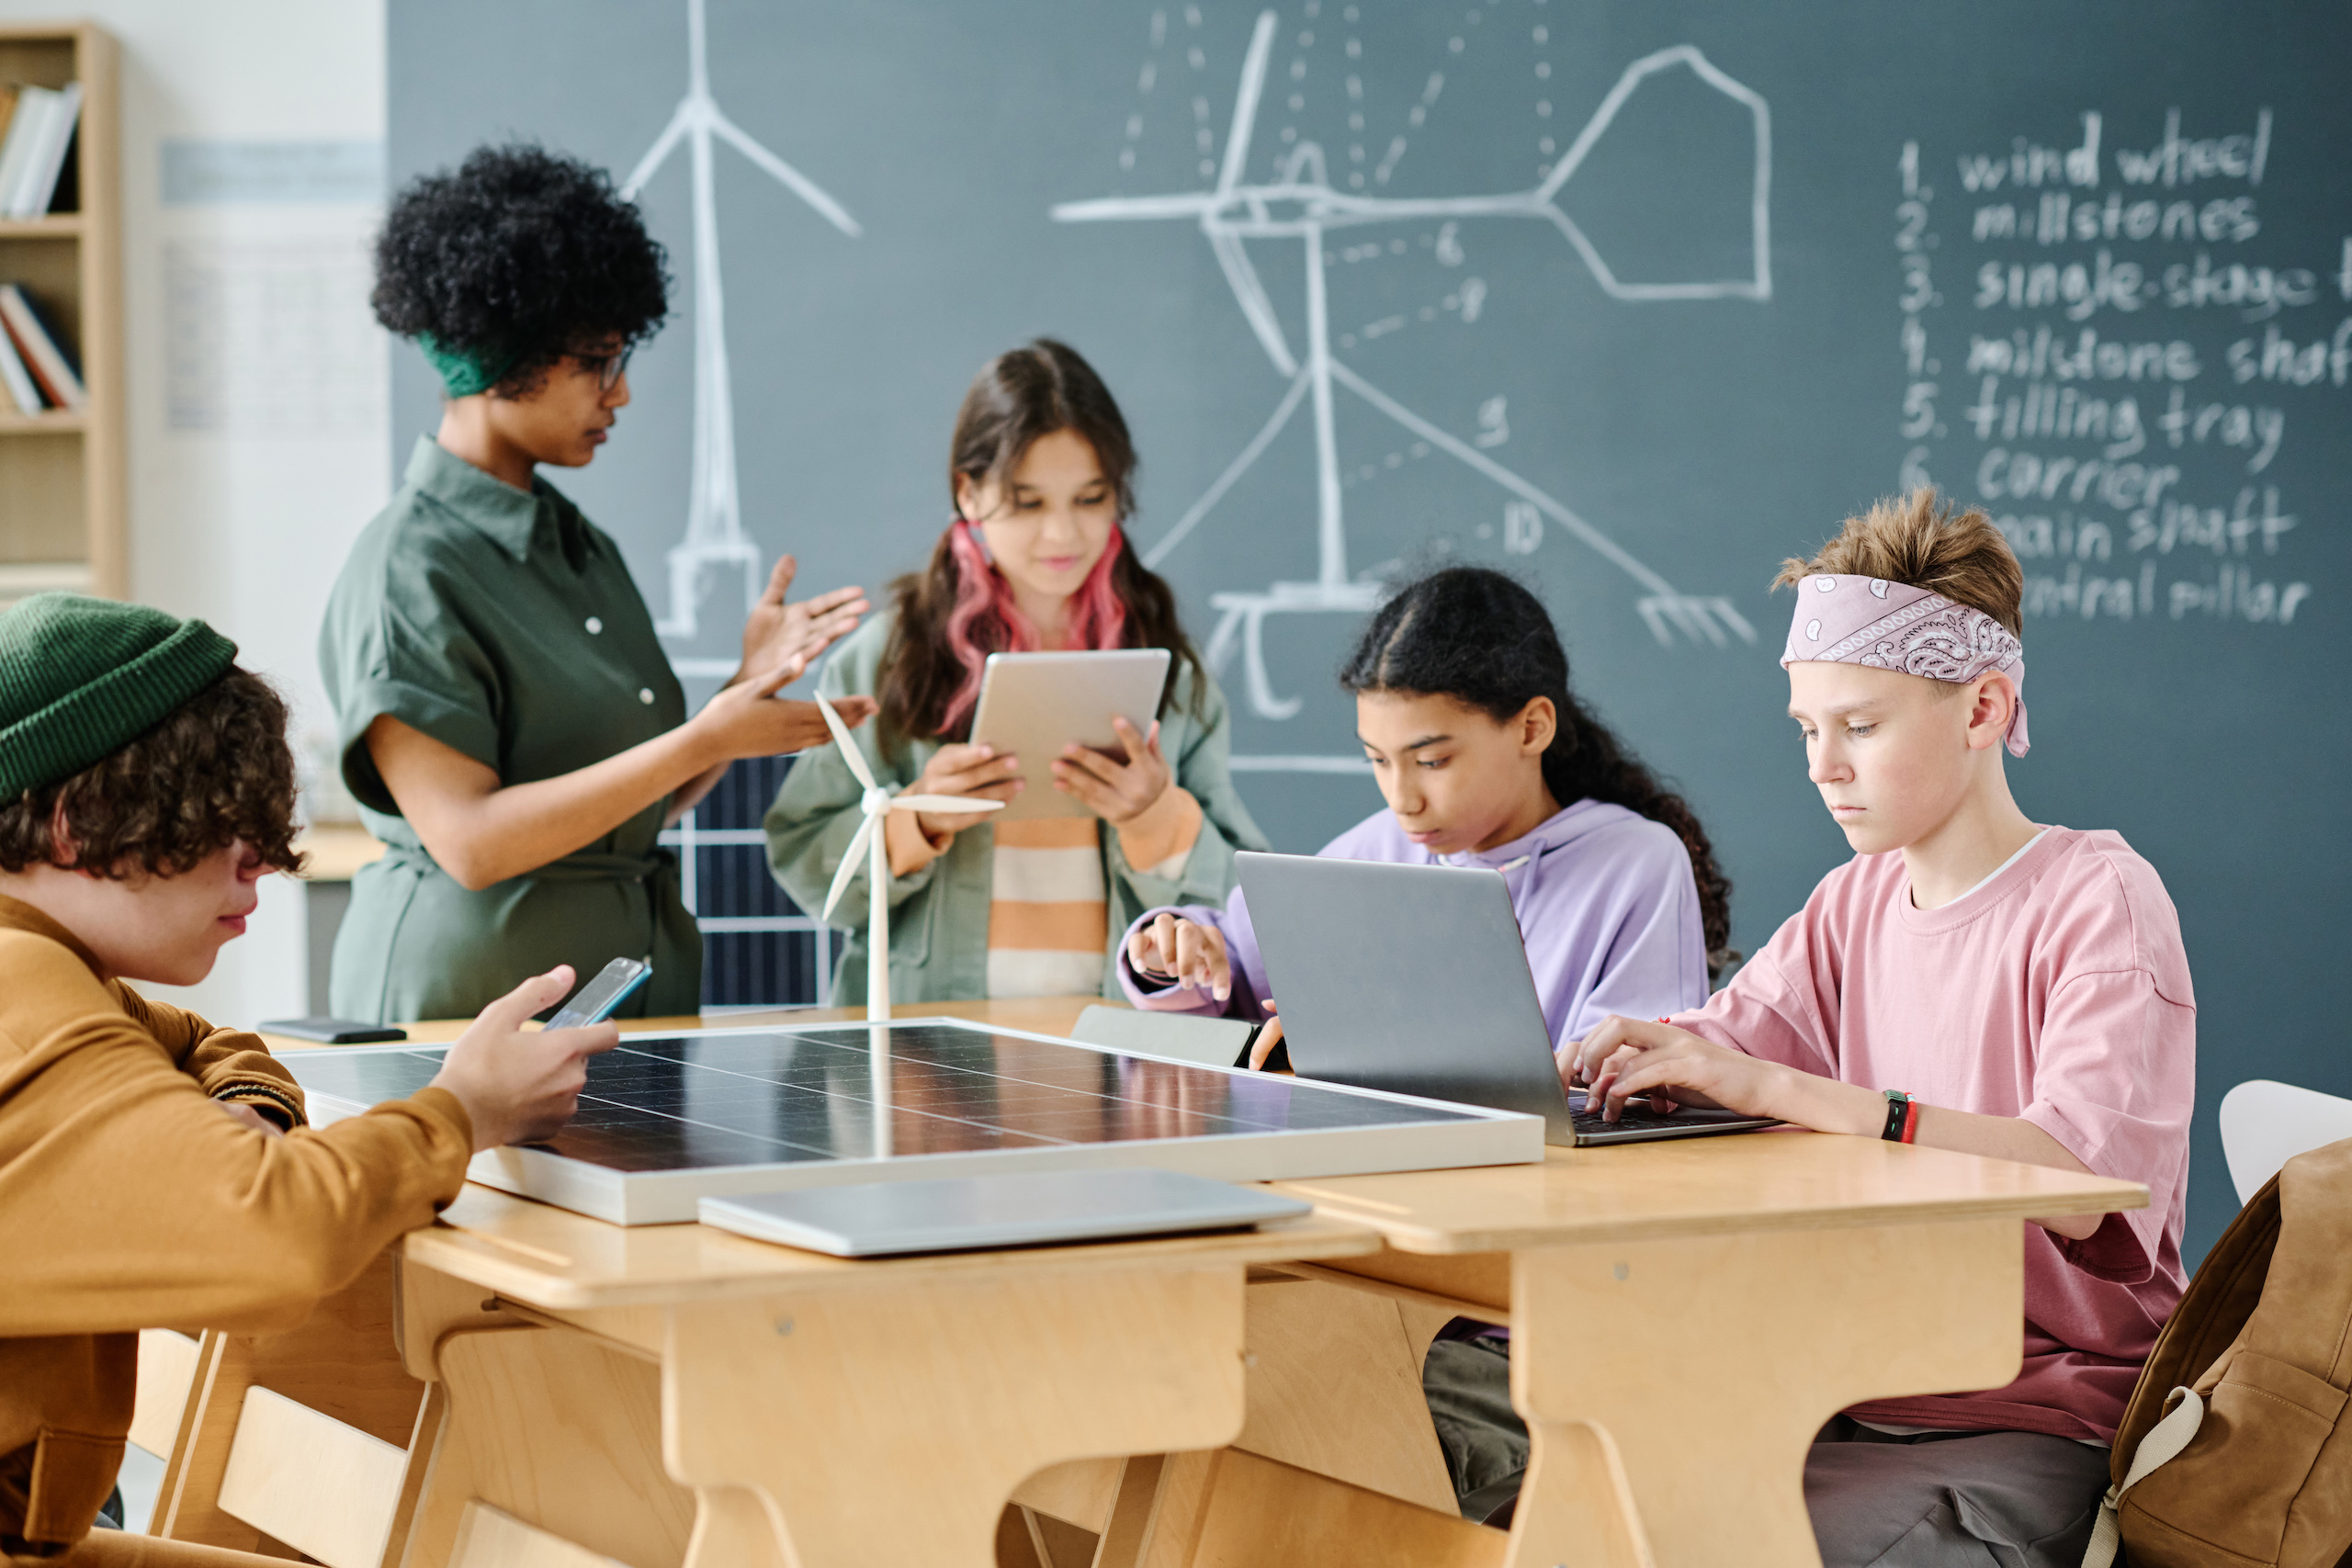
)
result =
(877, 804)
(715, 533)
(1301, 205)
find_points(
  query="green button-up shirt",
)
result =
(503, 623)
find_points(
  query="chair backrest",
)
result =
(2264, 1124)
(1211, 1042)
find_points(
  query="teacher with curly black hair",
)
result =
(508, 721)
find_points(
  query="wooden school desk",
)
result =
(649, 1392)
(1782, 1275)
(1686, 1315)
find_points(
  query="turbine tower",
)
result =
(715, 533)
(1301, 205)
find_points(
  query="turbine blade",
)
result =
(800, 185)
(1251, 294)
(946, 805)
(650, 163)
(1106, 208)
(1245, 104)
(848, 867)
(851, 755)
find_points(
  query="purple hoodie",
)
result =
(1606, 904)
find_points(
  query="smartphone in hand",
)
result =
(595, 1002)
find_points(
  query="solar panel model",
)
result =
(668, 1120)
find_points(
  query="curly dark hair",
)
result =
(1482, 638)
(519, 257)
(216, 772)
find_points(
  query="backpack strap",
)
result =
(2164, 1442)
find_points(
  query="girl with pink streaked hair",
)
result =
(1040, 473)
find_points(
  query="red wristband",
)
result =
(1910, 1120)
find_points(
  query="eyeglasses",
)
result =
(607, 369)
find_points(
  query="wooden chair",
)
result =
(2264, 1124)
(309, 1442)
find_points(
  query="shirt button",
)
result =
(594, 626)
(645, 695)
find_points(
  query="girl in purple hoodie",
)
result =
(1487, 759)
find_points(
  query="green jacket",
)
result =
(939, 915)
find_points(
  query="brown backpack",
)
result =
(2235, 1451)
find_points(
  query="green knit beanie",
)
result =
(81, 678)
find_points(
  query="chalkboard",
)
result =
(1633, 299)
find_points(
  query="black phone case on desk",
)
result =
(331, 1031)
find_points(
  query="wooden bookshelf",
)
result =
(63, 475)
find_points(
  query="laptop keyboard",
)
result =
(1630, 1120)
(1637, 1119)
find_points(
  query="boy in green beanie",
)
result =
(155, 1171)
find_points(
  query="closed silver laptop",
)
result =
(877, 1219)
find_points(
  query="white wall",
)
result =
(245, 524)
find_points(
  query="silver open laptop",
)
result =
(1413, 979)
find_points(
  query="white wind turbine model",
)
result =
(1300, 204)
(715, 533)
(878, 805)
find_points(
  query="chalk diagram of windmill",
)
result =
(1300, 204)
(715, 535)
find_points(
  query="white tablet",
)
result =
(1033, 705)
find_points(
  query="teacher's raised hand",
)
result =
(777, 635)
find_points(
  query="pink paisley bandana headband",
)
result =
(1916, 631)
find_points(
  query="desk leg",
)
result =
(1335, 1388)
(1704, 1365)
(887, 1425)
(559, 1432)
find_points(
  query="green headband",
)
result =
(465, 375)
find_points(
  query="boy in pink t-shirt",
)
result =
(1969, 980)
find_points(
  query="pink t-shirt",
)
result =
(2057, 991)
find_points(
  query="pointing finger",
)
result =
(535, 995)
(1263, 1047)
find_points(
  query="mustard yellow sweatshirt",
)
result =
(128, 1200)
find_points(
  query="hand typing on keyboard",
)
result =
(1643, 1110)
(1628, 1059)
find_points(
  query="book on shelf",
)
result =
(11, 140)
(15, 380)
(32, 150)
(44, 355)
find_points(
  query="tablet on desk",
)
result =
(1033, 705)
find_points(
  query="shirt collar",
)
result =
(18, 915)
(516, 521)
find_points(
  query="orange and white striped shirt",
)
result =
(1048, 911)
(1049, 914)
